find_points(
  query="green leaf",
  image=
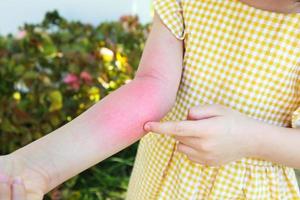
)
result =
(30, 75)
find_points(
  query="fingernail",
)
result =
(4, 178)
(17, 180)
(147, 126)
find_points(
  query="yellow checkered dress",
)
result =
(239, 56)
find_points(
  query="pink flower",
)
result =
(75, 86)
(86, 77)
(72, 80)
(21, 34)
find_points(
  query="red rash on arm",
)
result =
(117, 121)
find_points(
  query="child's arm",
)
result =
(116, 121)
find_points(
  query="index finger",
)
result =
(180, 128)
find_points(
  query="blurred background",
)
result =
(14, 13)
(58, 58)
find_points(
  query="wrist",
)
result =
(257, 137)
(33, 175)
(262, 135)
(256, 148)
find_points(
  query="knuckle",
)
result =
(215, 130)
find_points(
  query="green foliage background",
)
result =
(36, 97)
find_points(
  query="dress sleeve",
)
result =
(170, 12)
(296, 118)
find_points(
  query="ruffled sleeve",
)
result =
(296, 118)
(170, 13)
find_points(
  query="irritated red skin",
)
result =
(118, 119)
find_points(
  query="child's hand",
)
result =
(213, 136)
(12, 189)
(17, 182)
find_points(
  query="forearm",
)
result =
(277, 144)
(107, 127)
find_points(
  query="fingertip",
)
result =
(189, 117)
(191, 114)
(147, 127)
(150, 126)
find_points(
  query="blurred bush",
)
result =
(53, 71)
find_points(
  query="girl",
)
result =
(244, 56)
(224, 76)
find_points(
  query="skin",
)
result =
(215, 135)
(14, 189)
(112, 124)
(280, 6)
(117, 121)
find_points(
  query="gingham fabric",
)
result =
(244, 58)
